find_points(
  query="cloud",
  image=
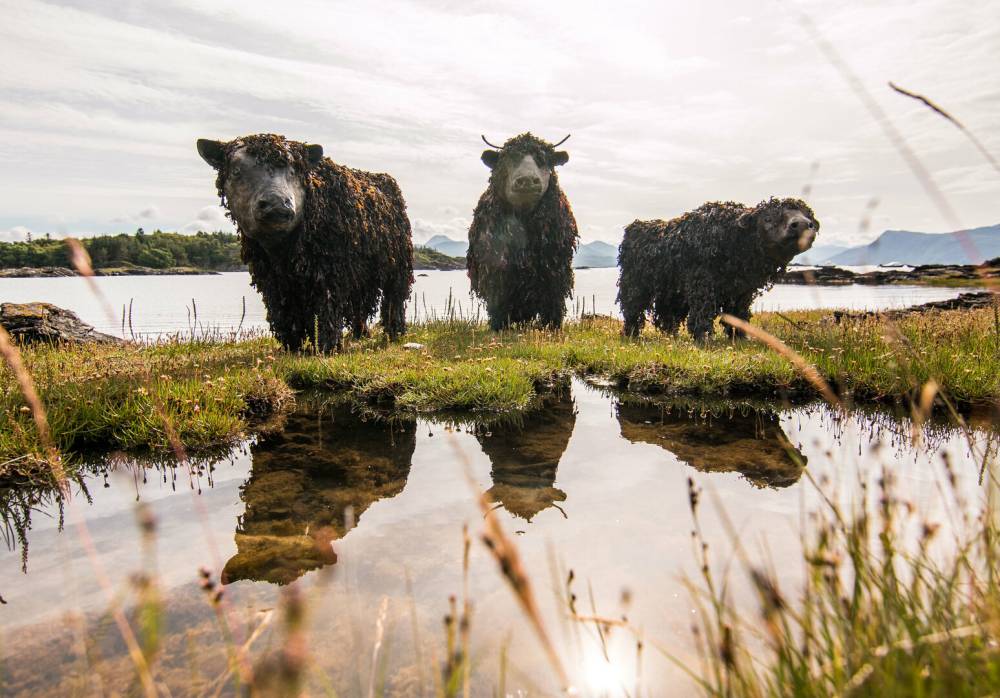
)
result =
(456, 228)
(669, 106)
(16, 234)
(209, 219)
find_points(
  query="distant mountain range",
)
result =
(891, 247)
(591, 254)
(819, 254)
(905, 247)
(445, 245)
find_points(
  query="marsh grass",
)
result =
(134, 396)
(888, 607)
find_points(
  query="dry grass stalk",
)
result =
(961, 127)
(505, 552)
(807, 370)
(135, 652)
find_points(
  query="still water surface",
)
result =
(366, 518)
(169, 304)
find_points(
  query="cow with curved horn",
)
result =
(523, 235)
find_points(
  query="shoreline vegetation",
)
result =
(155, 254)
(205, 393)
(160, 254)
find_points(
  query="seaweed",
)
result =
(352, 251)
(712, 260)
(521, 262)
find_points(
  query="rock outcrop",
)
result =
(30, 323)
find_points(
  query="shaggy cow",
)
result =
(324, 243)
(712, 260)
(523, 235)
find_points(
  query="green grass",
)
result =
(138, 397)
(213, 392)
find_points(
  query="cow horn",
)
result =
(556, 145)
(489, 144)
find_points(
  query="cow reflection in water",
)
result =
(304, 482)
(525, 458)
(751, 443)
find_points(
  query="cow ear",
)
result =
(745, 221)
(490, 158)
(561, 157)
(314, 153)
(212, 152)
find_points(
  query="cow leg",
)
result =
(634, 306)
(703, 309)
(499, 314)
(552, 315)
(359, 328)
(738, 308)
(668, 312)
(393, 313)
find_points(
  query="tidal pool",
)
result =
(366, 519)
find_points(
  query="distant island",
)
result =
(156, 253)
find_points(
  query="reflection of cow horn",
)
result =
(556, 145)
(490, 144)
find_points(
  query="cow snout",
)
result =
(274, 207)
(528, 183)
(804, 235)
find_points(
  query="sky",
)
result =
(670, 104)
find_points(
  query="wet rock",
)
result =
(124, 270)
(937, 274)
(965, 301)
(26, 272)
(44, 322)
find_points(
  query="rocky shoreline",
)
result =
(421, 263)
(928, 274)
(58, 272)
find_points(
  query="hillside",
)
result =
(819, 254)
(427, 258)
(905, 247)
(157, 250)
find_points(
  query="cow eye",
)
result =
(237, 172)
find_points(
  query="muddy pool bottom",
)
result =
(365, 520)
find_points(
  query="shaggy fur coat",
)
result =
(352, 251)
(712, 260)
(521, 264)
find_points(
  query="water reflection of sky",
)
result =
(592, 485)
(169, 304)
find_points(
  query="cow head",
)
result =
(523, 169)
(262, 182)
(786, 226)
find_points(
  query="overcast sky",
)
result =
(670, 104)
